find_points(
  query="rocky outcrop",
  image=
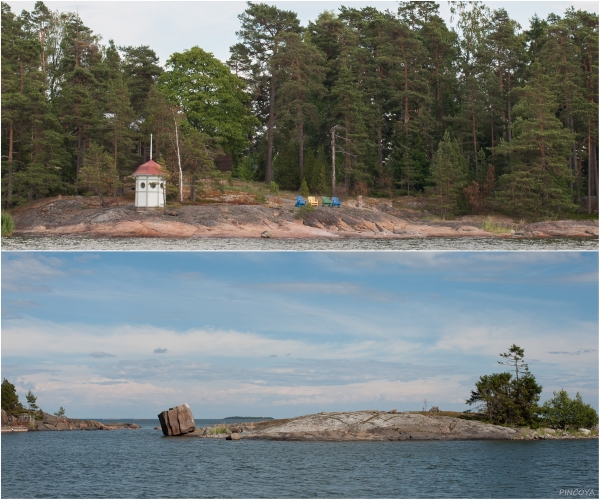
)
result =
(177, 420)
(54, 423)
(369, 426)
(76, 216)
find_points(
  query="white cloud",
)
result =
(30, 272)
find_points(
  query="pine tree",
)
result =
(472, 25)
(140, 72)
(31, 401)
(538, 183)
(261, 26)
(98, 172)
(10, 399)
(300, 71)
(119, 116)
(448, 174)
(198, 157)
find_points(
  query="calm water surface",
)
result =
(219, 244)
(144, 464)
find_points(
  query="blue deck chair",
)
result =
(335, 202)
(300, 202)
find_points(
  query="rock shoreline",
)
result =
(77, 216)
(376, 425)
(54, 423)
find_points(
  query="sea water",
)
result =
(145, 464)
(78, 243)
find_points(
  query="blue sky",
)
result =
(174, 26)
(283, 334)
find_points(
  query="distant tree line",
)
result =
(513, 400)
(482, 116)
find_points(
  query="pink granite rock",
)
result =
(177, 420)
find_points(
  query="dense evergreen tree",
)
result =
(539, 178)
(260, 38)
(449, 175)
(10, 399)
(300, 73)
(507, 400)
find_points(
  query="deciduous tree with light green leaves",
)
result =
(212, 99)
(562, 412)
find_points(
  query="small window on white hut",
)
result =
(153, 185)
(162, 186)
(143, 185)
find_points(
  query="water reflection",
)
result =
(71, 243)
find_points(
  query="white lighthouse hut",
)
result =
(150, 188)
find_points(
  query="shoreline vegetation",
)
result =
(235, 213)
(477, 115)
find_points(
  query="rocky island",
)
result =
(54, 423)
(374, 425)
(232, 216)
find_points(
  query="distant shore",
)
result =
(373, 425)
(79, 216)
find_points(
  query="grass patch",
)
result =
(221, 429)
(491, 226)
(260, 197)
(433, 218)
(8, 224)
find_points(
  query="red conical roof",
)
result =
(149, 168)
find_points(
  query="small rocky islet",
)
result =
(367, 425)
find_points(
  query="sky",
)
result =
(281, 334)
(175, 26)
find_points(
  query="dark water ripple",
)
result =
(144, 464)
(224, 244)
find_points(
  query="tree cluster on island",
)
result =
(481, 116)
(12, 406)
(502, 398)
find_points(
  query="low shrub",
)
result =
(304, 211)
(273, 188)
(8, 224)
(260, 197)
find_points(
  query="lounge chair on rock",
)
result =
(313, 201)
(335, 202)
(300, 201)
(326, 201)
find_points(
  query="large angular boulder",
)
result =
(176, 421)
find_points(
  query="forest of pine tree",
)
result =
(479, 116)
